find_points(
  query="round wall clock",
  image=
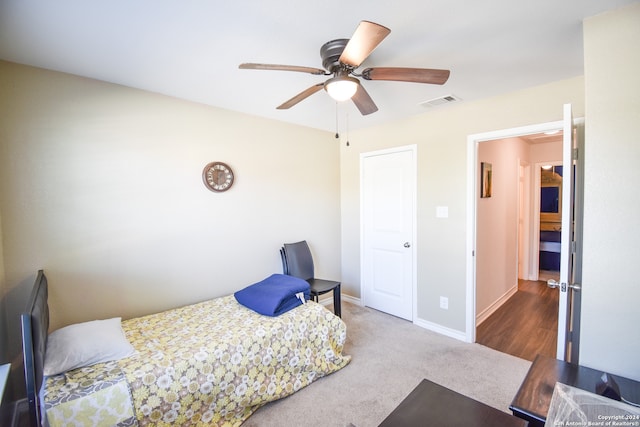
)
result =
(217, 176)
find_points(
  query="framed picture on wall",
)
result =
(485, 180)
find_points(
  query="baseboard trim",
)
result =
(352, 300)
(484, 314)
(461, 336)
(328, 300)
(442, 330)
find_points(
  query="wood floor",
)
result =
(526, 325)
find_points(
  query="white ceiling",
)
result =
(192, 49)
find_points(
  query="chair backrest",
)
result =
(283, 257)
(299, 262)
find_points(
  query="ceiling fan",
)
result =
(341, 58)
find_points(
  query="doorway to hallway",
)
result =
(512, 304)
(571, 242)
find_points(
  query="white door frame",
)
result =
(524, 217)
(472, 201)
(414, 215)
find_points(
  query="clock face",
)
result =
(217, 176)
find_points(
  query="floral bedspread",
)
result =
(212, 363)
(83, 396)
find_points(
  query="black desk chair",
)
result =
(297, 261)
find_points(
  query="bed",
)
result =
(211, 363)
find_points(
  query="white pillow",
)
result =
(85, 344)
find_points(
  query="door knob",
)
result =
(563, 286)
(407, 244)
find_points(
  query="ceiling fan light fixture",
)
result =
(342, 87)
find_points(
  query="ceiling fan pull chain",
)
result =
(337, 134)
(347, 129)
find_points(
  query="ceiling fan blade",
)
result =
(364, 102)
(415, 75)
(277, 67)
(301, 96)
(365, 39)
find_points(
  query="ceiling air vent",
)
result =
(436, 102)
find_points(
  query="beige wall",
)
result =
(100, 185)
(4, 354)
(497, 222)
(611, 291)
(441, 137)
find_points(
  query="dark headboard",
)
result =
(35, 327)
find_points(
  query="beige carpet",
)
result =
(390, 357)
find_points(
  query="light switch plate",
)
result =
(444, 303)
(442, 212)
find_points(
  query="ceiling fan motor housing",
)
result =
(330, 53)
